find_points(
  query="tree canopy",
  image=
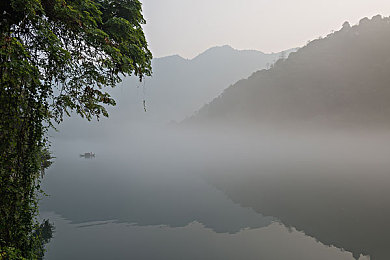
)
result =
(56, 56)
(77, 46)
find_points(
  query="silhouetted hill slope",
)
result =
(341, 79)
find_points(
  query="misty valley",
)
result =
(233, 155)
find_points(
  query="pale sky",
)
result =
(188, 27)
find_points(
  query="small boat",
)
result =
(87, 155)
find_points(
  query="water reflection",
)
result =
(339, 203)
(43, 234)
(84, 191)
(174, 200)
(104, 240)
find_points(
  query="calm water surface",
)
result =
(151, 203)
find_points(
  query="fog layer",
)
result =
(298, 152)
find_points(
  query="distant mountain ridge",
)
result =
(177, 88)
(341, 79)
(181, 86)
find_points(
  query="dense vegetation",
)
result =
(341, 79)
(55, 57)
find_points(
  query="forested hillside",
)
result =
(342, 79)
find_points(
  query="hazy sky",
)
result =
(188, 27)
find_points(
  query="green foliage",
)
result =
(78, 46)
(56, 57)
(42, 236)
(10, 253)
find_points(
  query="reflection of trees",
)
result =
(43, 234)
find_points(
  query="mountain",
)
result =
(177, 88)
(181, 86)
(342, 79)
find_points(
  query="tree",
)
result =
(56, 56)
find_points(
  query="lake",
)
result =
(192, 195)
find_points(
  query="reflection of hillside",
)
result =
(192, 242)
(342, 79)
(110, 191)
(342, 206)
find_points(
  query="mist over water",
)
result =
(164, 192)
(291, 163)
